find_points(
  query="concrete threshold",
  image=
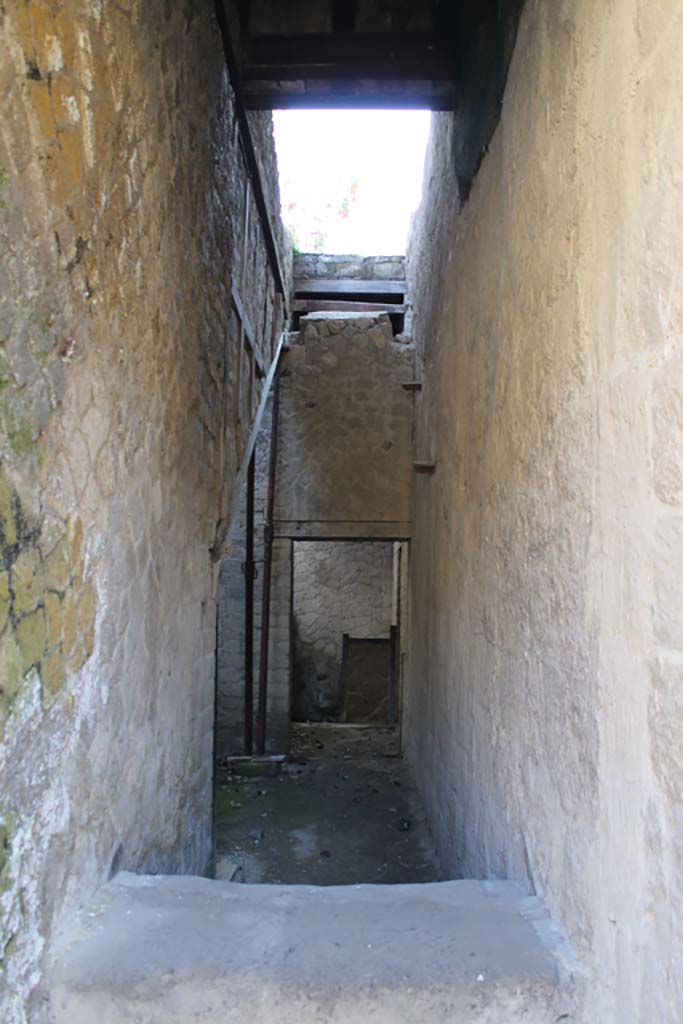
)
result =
(182, 949)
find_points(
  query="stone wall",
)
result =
(339, 587)
(123, 414)
(344, 469)
(345, 461)
(543, 716)
(362, 268)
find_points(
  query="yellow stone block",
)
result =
(67, 170)
(7, 523)
(10, 675)
(11, 667)
(41, 102)
(64, 26)
(53, 677)
(65, 101)
(58, 568)
(23, 26)
(79, 625)
(4, 599)
(77, 658)
(54, 619)
(76, 543)
(27, 581)
(70, 622)
(31, 637)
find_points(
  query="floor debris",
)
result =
(342, 811)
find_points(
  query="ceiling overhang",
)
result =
(345, 53)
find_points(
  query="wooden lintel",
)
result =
(347, 54)
(368, 96)
(344, 306)
(408, 73)
(337, 530)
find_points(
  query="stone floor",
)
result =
(342, 812)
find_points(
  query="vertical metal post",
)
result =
(249, 614)
(267, 572)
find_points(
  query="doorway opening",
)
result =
(345, 617)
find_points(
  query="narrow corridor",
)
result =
(343, 811)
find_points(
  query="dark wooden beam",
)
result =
(377, 70)
(404, 56)
(342, 306)
(339, 530)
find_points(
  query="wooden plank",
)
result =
(324, 287)
(324, 530)
(245, 228)
(404, 74)
(223, 528)
(242, 315)
(342, 306)
(343, 55)
(245, 323)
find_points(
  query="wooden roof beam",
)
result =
(405, 56)
(369, 99)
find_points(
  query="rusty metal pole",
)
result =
(249, 614)
(267, 573)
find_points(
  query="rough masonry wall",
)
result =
(363, 268)
(544, 711)
(339, 587)
(346, 427)
(120, 212)
(344, 469)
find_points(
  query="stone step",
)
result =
(180, 950)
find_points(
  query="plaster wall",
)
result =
(122, 414)
(544, 709)
(339, 587)
(345, 458)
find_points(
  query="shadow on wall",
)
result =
(316, 691)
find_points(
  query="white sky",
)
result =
(350, 179)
